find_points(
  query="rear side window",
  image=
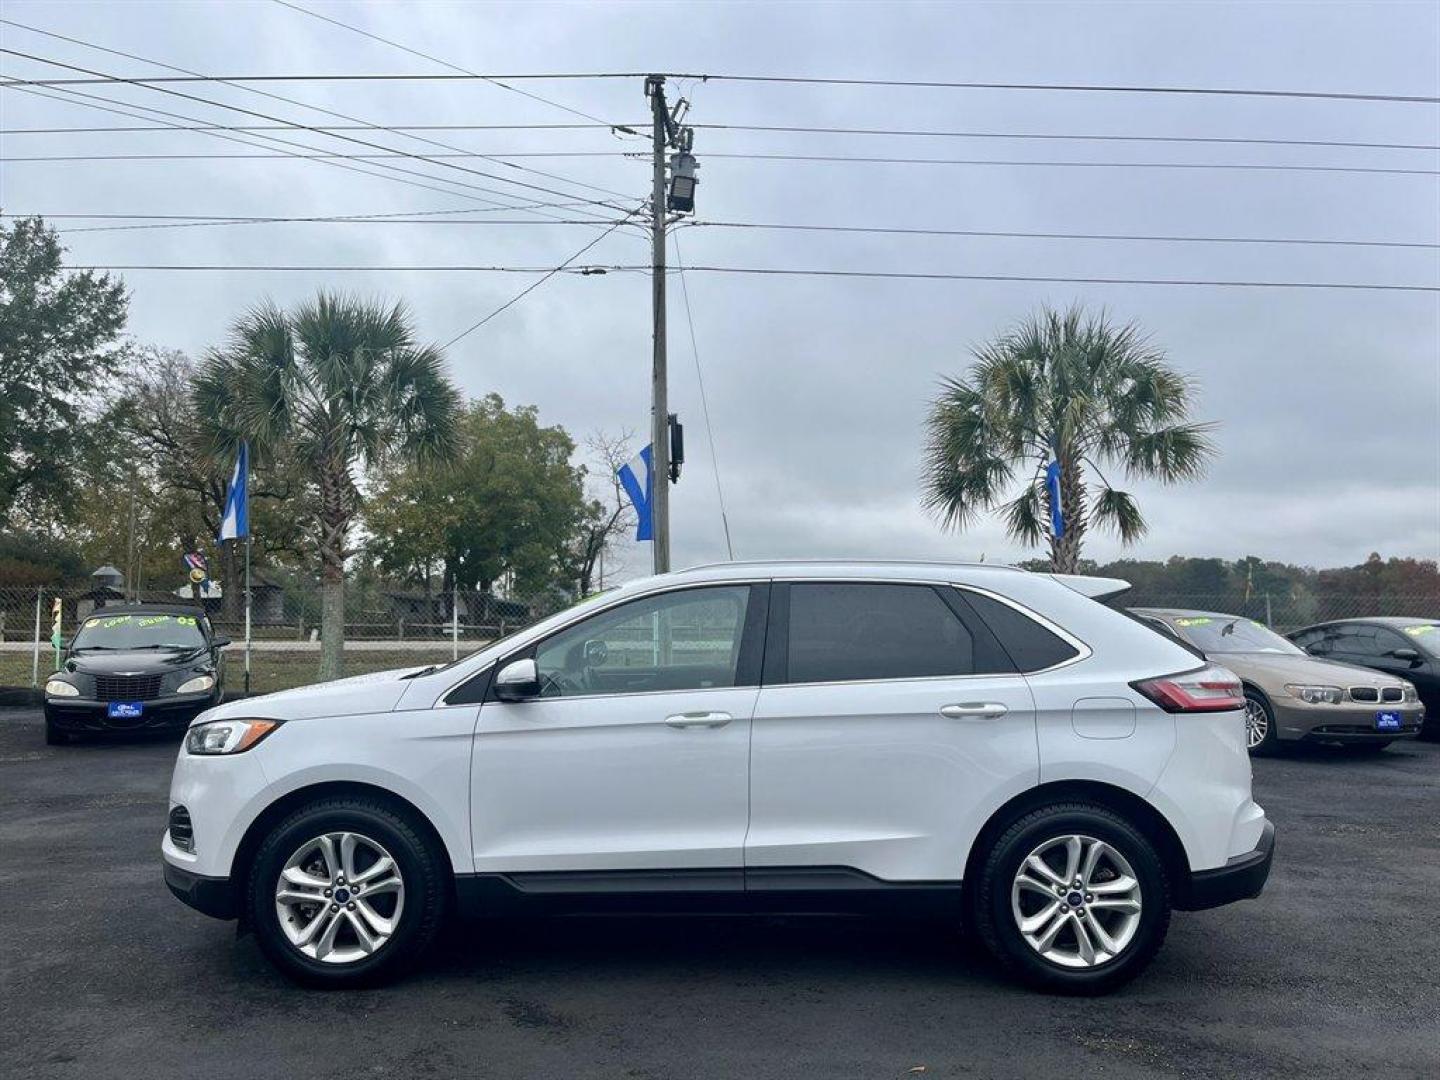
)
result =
(842, 632)
(1030, 645)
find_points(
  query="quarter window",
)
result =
(1030, 645)
(854, 631)
(687, 640)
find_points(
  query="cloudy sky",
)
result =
(1328, 401)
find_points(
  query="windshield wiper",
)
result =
(1228, 628)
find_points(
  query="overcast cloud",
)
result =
(1328, 402)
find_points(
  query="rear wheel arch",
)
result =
(291, 801)
(1139, 813)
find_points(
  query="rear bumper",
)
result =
(1241, 878)
(210, 895)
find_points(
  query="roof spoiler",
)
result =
(1097, 588)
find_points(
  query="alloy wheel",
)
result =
(1257, 723)
(1076, 901)
(339, 897)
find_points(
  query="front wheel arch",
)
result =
(282, 807)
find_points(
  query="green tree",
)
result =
(1069, 387)
(510, 501)
(60, 342)
(334, 386)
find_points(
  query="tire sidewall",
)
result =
(1271, 741)
(418, 869)
(1004, 936)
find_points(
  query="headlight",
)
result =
(195, 685)
(60, 688)
(227, 736)
(1411, 695)
(1316, 695)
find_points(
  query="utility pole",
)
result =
(659, 396)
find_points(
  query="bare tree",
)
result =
(608, 516)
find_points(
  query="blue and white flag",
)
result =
(637, 476)
(235, 521)
(1057, 512)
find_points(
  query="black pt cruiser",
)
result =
(135, 667)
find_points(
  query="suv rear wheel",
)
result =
(1072, 898)
(345, 892)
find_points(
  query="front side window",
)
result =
(687, 640)
(843, 632)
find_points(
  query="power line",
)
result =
(704, 403)
(824, 158)
(1042, 135)
(453, 67)
(783, 129)
(564, 266)
(445, 217)
(923, 84)
(333, 135)
(609, 268)
(293, 101)
(1024, 235)
(917, 84)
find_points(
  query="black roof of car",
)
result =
(149, 609)
(1376, 620)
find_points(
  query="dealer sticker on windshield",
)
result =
(125, 710)
(1387, 721)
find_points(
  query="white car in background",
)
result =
(974, 742)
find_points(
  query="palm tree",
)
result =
(338, 384)
(1069, 388)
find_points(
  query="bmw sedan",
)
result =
(1406, 648)
(1290, 696)
(135, 667)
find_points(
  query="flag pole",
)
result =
(247, 610)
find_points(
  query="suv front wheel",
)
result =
(345, 892)
(1072, 898)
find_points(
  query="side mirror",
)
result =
(518, 680)
(1406, 654)
(219, 641)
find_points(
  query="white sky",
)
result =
(1328, 401)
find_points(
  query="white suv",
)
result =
(974, 742)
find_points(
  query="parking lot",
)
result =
(1334, 971)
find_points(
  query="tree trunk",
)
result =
(332, 623)
(1065, 551)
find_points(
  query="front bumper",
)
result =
(174, 711)
(212, 896)
(1241, 878)
(1351, 722)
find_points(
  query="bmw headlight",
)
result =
(61, 688)
(1316, 695)
(1411, 694)
(227, 736)
(196, 685)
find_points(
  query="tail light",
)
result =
(1206, 689)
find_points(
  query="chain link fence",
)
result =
(384, 628)
(391, 627)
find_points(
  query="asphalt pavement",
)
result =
(1334, 971)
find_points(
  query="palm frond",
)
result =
(1116, 511)
(1171, 454)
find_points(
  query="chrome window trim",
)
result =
(666, 587)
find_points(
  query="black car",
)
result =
(1409, 648)
(135, 667)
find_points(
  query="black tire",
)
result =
(1271, 742)
(53, 735)
(995, 923)
(422, 867)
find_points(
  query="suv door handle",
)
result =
(974, 710)
(699, 719)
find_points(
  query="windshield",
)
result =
(1426, 637)
(1224, 634)
(139, 631)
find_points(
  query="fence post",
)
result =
(35, 658)
(455, 622)
(1268, 621)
